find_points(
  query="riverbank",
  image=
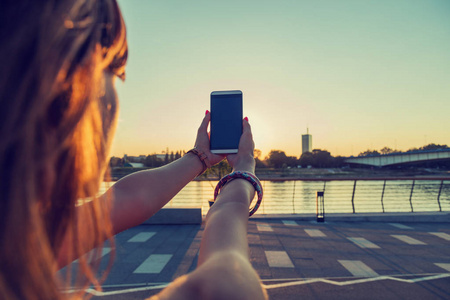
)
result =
(322, 174)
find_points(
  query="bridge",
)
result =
(383, 160)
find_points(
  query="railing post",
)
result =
(439, 195)
(263, 204)
(353, 196)
(293, 197)
(382, 195)
(410, 196)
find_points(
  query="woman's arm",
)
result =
(224, 270)
(140, 195)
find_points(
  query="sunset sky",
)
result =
(359, 74)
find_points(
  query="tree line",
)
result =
(148, 161)
(387, 150)
(276, 159)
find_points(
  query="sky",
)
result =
(359, 74)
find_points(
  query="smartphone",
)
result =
(226, 121)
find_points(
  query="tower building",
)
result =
(306, 142)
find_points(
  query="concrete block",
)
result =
(183, 215)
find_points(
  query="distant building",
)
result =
(134, 159)
(133, 165)
(306, 142)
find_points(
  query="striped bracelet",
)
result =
(243, 175)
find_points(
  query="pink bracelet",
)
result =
(243, 175)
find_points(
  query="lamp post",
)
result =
(320, 206)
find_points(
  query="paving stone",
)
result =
(315, 260)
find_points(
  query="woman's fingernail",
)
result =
(246, 119)
(206, 112)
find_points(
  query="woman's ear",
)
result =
(109, 103)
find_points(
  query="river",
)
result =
(296, 196)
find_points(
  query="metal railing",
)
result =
(341, 196)
(356, 195)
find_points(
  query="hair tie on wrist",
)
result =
(243, 175)
(203, 158)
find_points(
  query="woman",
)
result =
(58, 114)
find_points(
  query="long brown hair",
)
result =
(53, 136)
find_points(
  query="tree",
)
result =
(339, 162)
(322, 158)
(317, 158)
(276, 159)
(115, 162)
(152, 161)
(220, 169)
(259, 163)
(292, 161)
(257, 153)
(386, 150)
(434, 147)
(306, 160)
(172, 156)
(369, 152)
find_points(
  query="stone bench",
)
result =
(179, 215)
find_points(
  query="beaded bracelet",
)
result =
(243, 175)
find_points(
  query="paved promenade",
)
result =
(298, 259)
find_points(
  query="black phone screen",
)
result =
(226, 121)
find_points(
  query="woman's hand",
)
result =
(244, 160)
(202, 141)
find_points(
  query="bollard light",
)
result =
(320, 206)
